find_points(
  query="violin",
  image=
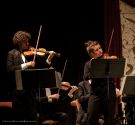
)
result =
(40, 52)
(107, 56)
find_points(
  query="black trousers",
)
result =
(101, 104)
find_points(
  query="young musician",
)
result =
(99, 102)
(24, 100)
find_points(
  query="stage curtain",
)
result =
(112, 27)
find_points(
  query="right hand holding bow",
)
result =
(30, 64)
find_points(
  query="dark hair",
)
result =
(21, 36)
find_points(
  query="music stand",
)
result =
(128, 95)
(128, 86)
(104, 68)
(107, 68)
(35, 78)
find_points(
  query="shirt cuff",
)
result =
(49, 100)
(48, 62)
(24, 66)
(70, 95)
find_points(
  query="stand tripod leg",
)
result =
(108, 91)
(133, 115)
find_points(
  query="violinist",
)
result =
(25, 101)
(99, 102)
(24, 104)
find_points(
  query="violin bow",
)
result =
(110, 40)
(64, 70)
(63, 74)
(37, 43)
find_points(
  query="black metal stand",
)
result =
(129, 109)
(128, 97)
(107, 68)
(35, 79)
(103, 68)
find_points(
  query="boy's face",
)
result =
(97, 51)
(25, 45)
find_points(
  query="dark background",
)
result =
(65, 28)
